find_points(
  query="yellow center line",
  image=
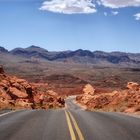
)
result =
(76, 127)
(70, 127)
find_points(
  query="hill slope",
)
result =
(111, 70)
(79, 56)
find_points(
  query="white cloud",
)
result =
(99, 2)
(115, 13)
(105, 14)
(119, 3)
(137, 16)
(69, 6)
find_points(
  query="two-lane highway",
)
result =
(34, 125)
(105, 126)
(71, 123)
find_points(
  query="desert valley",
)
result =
(69, 69)
(35, 78)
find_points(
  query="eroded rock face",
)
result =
(19, 93)
(24, 103)
(121, 101)
(133, 86)
(12, 92)
(16, 92)
(46, 98)
(88, 89)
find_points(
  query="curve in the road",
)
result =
(70, 123)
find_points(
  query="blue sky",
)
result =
(107, 25)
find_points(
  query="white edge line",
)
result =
(9, 113)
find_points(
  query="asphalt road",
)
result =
(71, 123)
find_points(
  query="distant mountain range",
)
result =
(78, 56)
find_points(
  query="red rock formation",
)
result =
(18, 93)
(122, 101)
(46, 98)
(88, 89)
(133, 86)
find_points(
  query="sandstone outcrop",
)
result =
(133, 86)
(88, 89)
(18, 93)
(121, 101)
